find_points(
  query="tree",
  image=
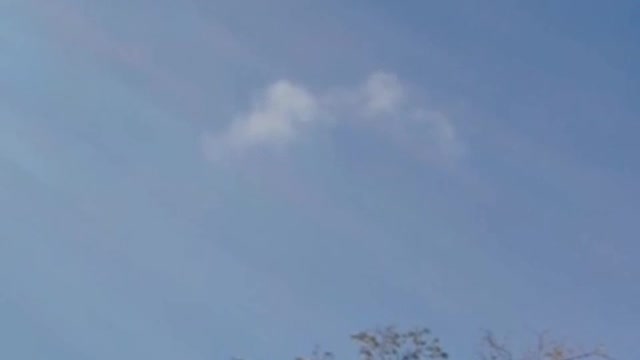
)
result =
(391, 344)
(545, 349)
(418, 344)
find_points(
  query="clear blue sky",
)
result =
(206, 178)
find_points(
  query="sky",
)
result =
(202, 179)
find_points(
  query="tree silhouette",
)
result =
(418, 344)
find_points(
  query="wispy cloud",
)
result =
(274, 120)
(284, 110)
(383, 93)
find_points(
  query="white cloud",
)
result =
(273, 120)
(383, 94)
(436, 135)
(276, 117)
(285, 108)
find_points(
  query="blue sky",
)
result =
(201, 179)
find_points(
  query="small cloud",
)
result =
(442, 140)
(383, 94)
(274, 120)
(284, 109)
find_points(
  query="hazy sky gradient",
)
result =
(201, 179)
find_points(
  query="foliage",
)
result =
(392, 344)
(545, 349)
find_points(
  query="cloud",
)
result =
(383, 94)
(274, 120)
(285, 109)
(429, 135)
